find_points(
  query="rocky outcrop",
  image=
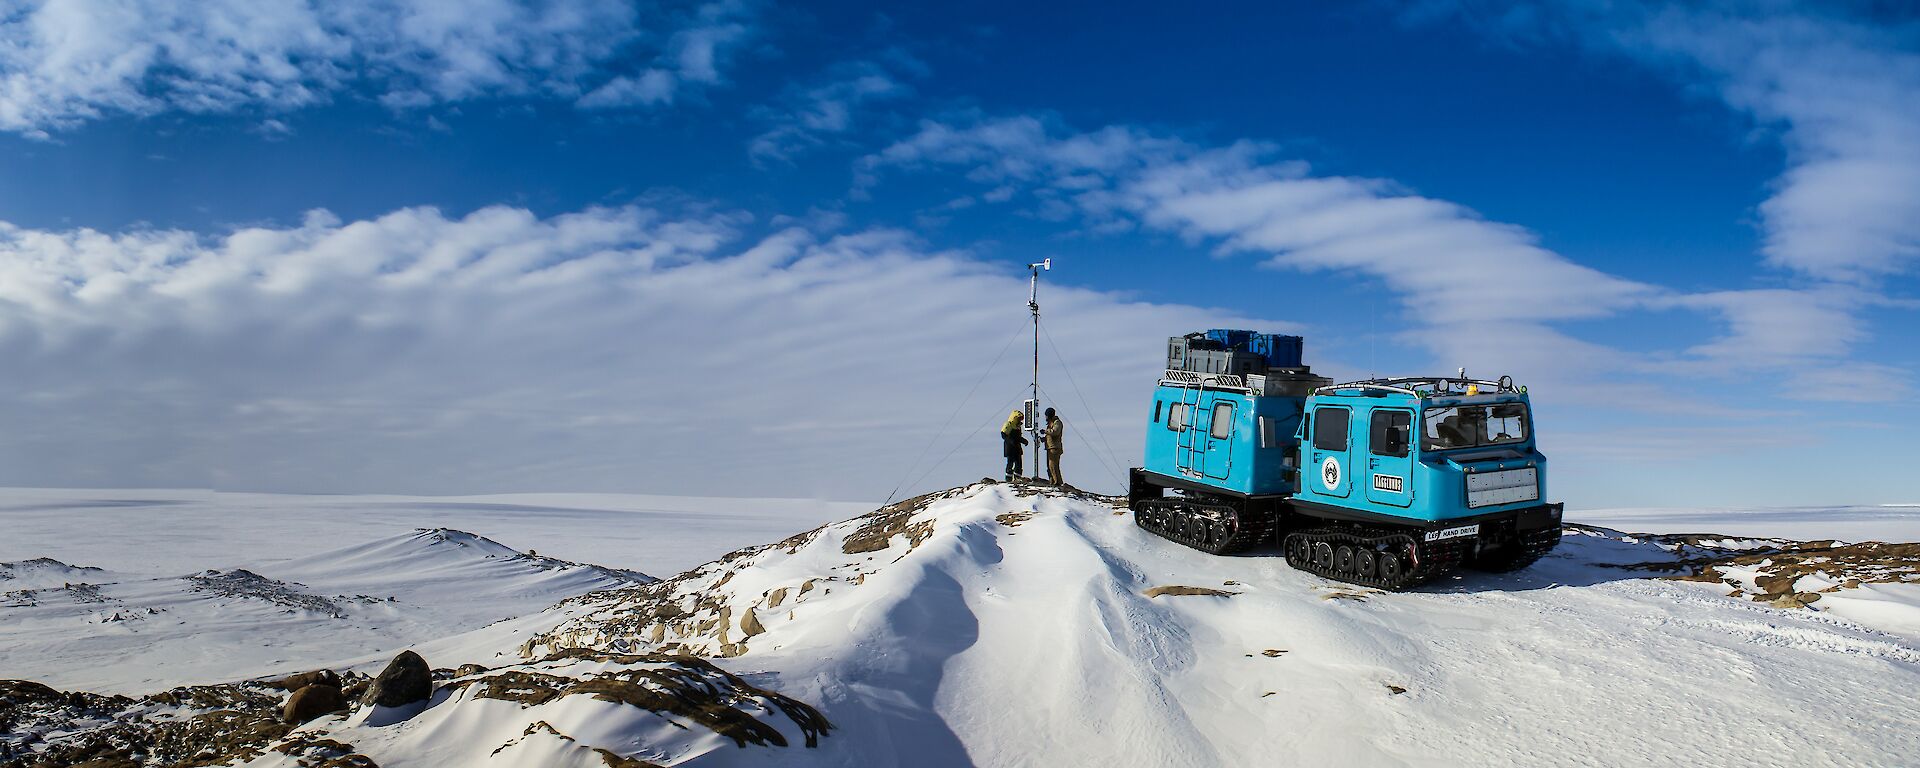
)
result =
(691, 689)
(198, 725)
(1771, 571)
(407, 679)
(878, 527)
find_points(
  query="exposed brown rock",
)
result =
(311, 702)
(750, 624)
(687, 686)
(1776, 584)
(878, 528)
(315, 752)
(1780, 563)
(525, 688)
(1185, 590)
(304, 679)
(117, 731)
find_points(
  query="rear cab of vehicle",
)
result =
(1454, 458)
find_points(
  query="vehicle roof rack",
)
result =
(1415, 385)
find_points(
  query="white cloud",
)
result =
(1458, 274)
(1838, 91)
(63, 62)
(1476, 293)
(621, 348)
(654, 86)
(808, 116)
(1842, 91)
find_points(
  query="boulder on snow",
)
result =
(750, 624)
(312, 701)
(406, 680)
(325, 677)
(465, 670)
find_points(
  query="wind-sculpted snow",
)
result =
(1005, 625)
(140, 633)
(703, 611)
(1012, 625)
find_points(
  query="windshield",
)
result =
(1465, 426)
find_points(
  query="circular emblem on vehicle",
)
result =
(1330, 473)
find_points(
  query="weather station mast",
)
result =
(1033, 404)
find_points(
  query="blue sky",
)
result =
(738, 248)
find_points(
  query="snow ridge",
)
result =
(1006, 624)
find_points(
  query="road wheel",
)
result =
(1343, 559)
(1389, 567)
(1363, 563)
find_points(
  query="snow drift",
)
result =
(1002, 625)
(1006, 624)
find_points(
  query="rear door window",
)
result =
(1222, 427)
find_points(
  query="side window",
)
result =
(1330, 428)
(1267, 437)
(1390, 433)
(1177, 417)
(1156, 411)
(1222, 421)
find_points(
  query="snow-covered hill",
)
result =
(1003, 628)
(93, 629)
(166, 532)
(1005, 624)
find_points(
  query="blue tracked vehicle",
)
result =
(1386, 482)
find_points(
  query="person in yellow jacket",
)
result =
(1056, 443)
(1013, 445)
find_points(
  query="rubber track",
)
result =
(1420, 561)
(1533, 545)
(1213, 528)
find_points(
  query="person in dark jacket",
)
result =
(1056, 442)
(1012, 444)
